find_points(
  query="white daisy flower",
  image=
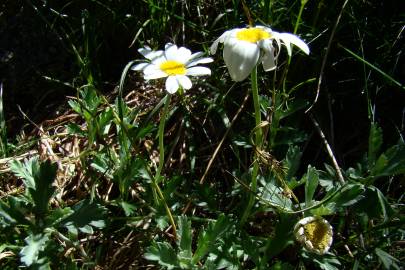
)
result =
(175, 63)
(315, 233)
(245, 47)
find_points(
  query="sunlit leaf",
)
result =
(208, 237)
(86, 215)
(163, 254)
(34, 244)
(38, 178)
(185, 237)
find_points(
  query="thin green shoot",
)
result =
(384, 74)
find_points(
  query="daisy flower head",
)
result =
(245, 47)
(315, 234)
(175, 63)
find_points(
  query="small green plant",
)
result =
(302, 167)
(39, 230)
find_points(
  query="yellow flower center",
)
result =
(319, 234)
(252, 35)
(172, 67)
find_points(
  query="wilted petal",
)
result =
(288, 38)
(198, 71)
(222, 38)
(184, 81)
(240, 58)
(268, 59)
(315, 234)
(172, 85)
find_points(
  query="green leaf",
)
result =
(128, 208)
(281, 239)
(292, 161)
(85, 216)
(44, 190)
(38, 178)
(325, 262)
(374, 143)
(75, 106)
(164, 254)
(25, 171)
(35, 244)
(322, 210)
(13, 213)
(381, 207)
(275, 195)
(349, 195)
(388, 261)
(185, 238)
(391, 162)
(294, 106)
(56, 216)
(311, 183)
(128, 172)
(75, 129)
(208, 237)
(104, 120)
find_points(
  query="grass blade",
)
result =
(385, 75)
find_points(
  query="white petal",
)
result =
(168, 45)
(172, 85)
(184, 81)
(276, 37)
(149, 54)
(170, 50)
(288, 38)
(196, 55)
(204, 60)
(140, 66)
(225, 35)
(153, 72)
(145, 50)
(158, 60)
(268, 59)
(268, 62)
(181, 54)
(198, 71)
(157, 75)
(240, 58)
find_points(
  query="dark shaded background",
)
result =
(36, 40)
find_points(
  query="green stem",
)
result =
(161, 136)
(258, 142)
(168, 212)
(157, 191)
(297, 24)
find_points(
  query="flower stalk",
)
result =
(161, 134)
(258, 142)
